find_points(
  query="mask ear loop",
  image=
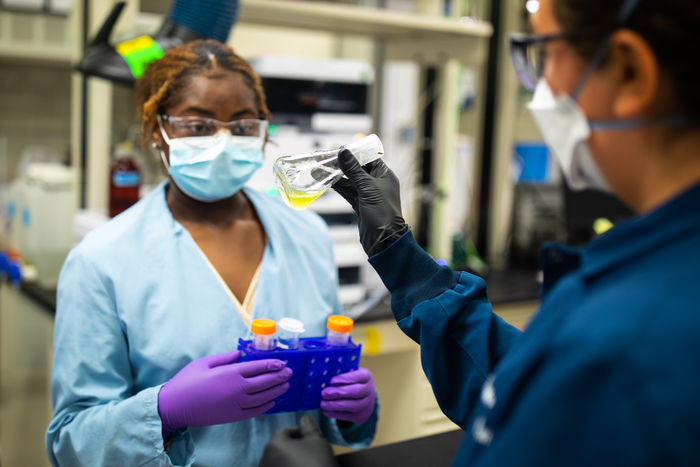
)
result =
(167, 140)
(165, 161)
(634, 124)
(624, 125)
(677, 120)
(626, 11)
(623, 16)
(591, 68)
(162, 130)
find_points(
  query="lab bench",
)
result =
(506, 289)
(430, 451)
(408, 407)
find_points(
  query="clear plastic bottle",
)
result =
(339, 328)
(288, 336)
(263, 334)
(302, 178)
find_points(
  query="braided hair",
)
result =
(158, 88)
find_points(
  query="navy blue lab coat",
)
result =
(606, 374)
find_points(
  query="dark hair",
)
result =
(669, 26)
(158, 87)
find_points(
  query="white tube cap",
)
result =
(291, 325)
(367, 149)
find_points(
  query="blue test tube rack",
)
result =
(314, 364)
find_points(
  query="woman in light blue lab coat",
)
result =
(151, 305)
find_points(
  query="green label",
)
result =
(139, 53)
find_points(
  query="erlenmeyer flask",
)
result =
(302, 178)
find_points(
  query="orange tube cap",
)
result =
(265, 327)
(339, 323)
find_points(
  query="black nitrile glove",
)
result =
(373, 191)
(298, 447)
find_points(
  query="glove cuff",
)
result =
(386, 239)
(167, 428)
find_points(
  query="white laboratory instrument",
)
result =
(44, 212)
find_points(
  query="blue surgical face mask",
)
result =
(212, 168)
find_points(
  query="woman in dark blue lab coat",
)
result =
(608, 371)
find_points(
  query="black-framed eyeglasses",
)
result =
(528, 54)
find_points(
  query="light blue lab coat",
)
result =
(137, 302)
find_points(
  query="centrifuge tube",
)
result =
(339, 328)
(288, 335)
(302, 178)
(263, 334)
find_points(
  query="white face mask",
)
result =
(566, 131)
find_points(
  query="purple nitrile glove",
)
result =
(215, 390)
(350, 397)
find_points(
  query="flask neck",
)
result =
(366, 150)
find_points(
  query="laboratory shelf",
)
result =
(35, 37)
(350, 19)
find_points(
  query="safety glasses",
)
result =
(528, 54)
(527, 51)
(188, 127)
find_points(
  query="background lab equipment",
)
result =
(320, 104)
(42, 207)
(187, 20)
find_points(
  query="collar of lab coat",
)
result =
(642, 235)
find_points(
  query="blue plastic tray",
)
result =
(313, 364)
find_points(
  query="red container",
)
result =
(124, 185)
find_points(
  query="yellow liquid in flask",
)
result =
(300, 200)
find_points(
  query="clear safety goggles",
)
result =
(192, 127)
(528, 54)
